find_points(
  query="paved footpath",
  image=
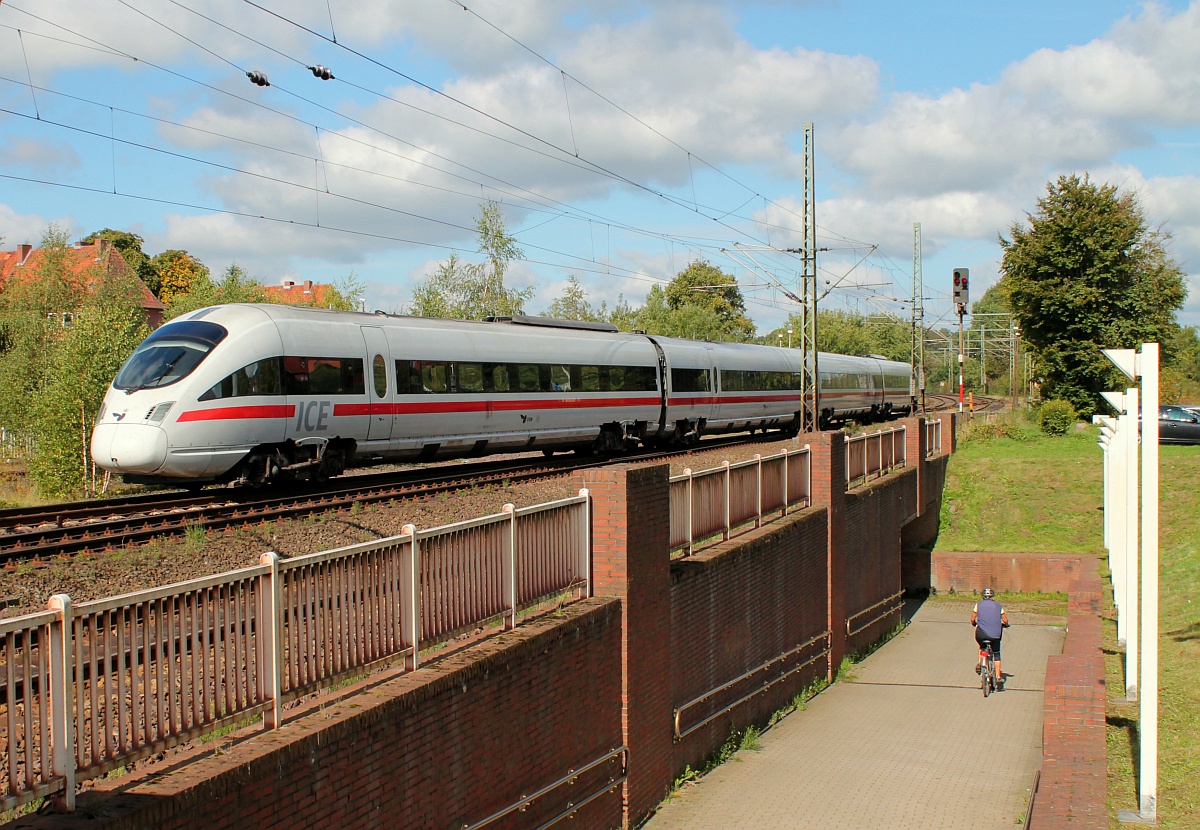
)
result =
(910, 743)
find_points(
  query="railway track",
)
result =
(77, 527)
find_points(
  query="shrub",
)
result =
(1057, 417)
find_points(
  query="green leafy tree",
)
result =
(470, 291)
(234, 286)
(176, 272)
(130, 245)
(85, 359)
(573, 304)
(1087, 273)
(703, 289)
(33, 313)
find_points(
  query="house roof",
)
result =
(303, 293)
(87, 263)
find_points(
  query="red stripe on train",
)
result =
(230, 413)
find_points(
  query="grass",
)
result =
(1040, 494)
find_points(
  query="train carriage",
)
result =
(249, 392)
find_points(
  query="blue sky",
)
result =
(638, 137)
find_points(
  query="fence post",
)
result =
(585, 567)
(787, 497)
(758, 496)
(270, 609)
(508, 567)
(728, 497)
(410, 624)
(62, 747)
(687, 471)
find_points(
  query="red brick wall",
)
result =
(1073, 790)
(444, 746)
(631, 561)
(735, 607)
(966, 572)
(871, 574)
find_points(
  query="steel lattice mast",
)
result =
(808, 330)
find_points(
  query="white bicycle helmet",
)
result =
(988, 593)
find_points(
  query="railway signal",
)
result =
(961, 287)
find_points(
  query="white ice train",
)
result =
(245, 393)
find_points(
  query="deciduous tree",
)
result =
(1085, 273)
(471, 291)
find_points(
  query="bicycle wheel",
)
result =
(986, 674)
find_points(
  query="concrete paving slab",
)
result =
(909, 742)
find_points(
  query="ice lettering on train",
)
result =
(313, 416)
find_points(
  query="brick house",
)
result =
(88, 263)
(306, 293)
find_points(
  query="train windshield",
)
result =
(169, 355)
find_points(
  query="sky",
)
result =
(621, 139)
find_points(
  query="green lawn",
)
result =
(1039, 494)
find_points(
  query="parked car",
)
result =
(1178, 425)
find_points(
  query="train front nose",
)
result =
(129, 448)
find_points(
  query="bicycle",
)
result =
(987, 674)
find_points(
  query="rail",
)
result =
(893, 608)
(933, 438)
(571, 777)
(680, 733)
(94, 686)
(716, 501)
(874, 455)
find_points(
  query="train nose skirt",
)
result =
(129, 448)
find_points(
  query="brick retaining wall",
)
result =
(459, 739)
(444, 746)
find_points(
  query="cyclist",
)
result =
(989, 620)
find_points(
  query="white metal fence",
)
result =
(90, 687)
(709, 504)
(874, 455)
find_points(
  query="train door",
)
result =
(380, 385)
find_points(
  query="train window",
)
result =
(530, 377)
(560, 379)
(589, 379)
(434, 376)
(379, 370)
(497, 373)
(468, 377)
(324, 376)
(258, 378)
(689, 380)
(169, 355)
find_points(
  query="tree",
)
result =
(574, 305)
(471, 291)
(1087, 273)
(33, 313)
(703, 288)
(129, 245)
(176, 271)
(236, 286)
(106, 330)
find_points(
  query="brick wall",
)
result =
(463, 737)
(966, 572)
(871, 573)
(1073, 790)
(737, 606)
(444, 746)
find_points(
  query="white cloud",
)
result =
(28, 229)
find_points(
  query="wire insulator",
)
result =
(258, 78)
(322, 72)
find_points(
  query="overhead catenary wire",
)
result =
(695, 205)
